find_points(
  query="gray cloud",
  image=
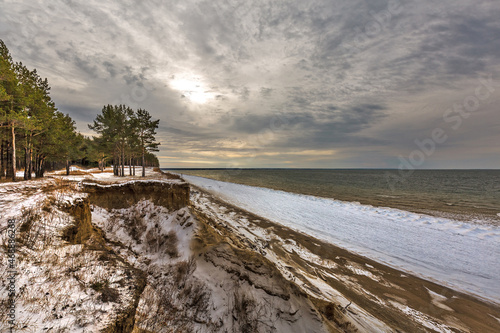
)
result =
(110, 68)
(342, 75)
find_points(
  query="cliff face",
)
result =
(136, 257)
(172, 195)
(68, 277)
(200, 276)
(250, 293)
(125, 196)
(82, 229)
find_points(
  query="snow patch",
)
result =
(359, 271)
(290, 246)
(422, 318)
(498, 319)
(437, 300)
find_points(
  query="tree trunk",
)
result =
(67, 167)
(2, 160)
(134, 165)
(8, 162)
(115, 164)
(39, 167)
(42, 167)
(26, 163)
(13, 153)
(26, 157)
(30, 161)
(123, 162)
(143, 163)
(35, 165)
(130, 166)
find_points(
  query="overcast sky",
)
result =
(327, 83)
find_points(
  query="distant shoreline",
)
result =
(383, 169)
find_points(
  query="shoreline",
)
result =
(444, 210)
(329, 271)
(440, 250)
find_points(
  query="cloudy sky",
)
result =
(251, 83)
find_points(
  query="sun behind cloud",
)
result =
(192, 89)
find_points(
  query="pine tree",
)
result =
(145, 128)
(113, 124)
(28, 115)
(11, 105)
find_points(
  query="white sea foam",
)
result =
(464, 256)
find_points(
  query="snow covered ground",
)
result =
(464, 256)
(55, 280)
(61, 286)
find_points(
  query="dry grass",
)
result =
(168, 175)
(244, 312)
(9, 180)
(109, 294)
(183, 270)
(78, 173)
(173, 301)
(28, 218)
(171, 242)
(135, 224)
(35, 227)
(63, 186)
(159, 242)
(172, 176)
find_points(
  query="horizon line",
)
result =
(280, 168)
